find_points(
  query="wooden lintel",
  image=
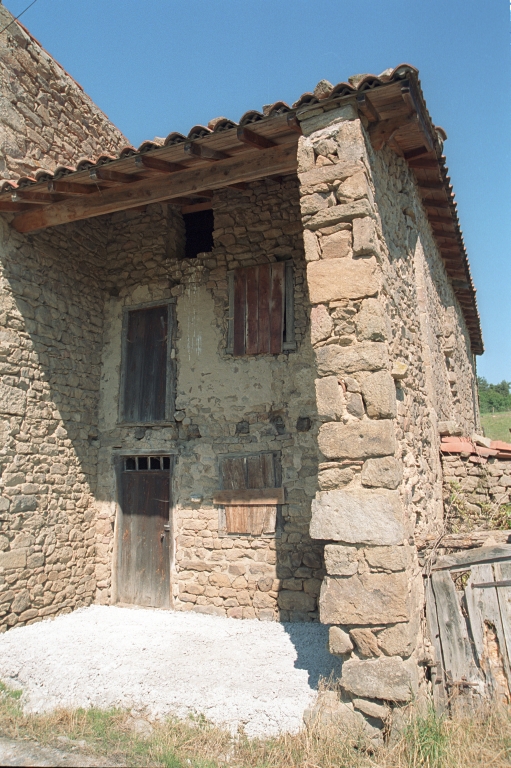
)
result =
(71, 188)
(34, 198)
(254, 139)
(195, 207)
(201, 152)
(367, 108)
(106, 174)
(239, 185)
(8, 205)
(252, 497)
(157, 164)
(250, 166)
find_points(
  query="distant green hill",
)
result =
(494, 398)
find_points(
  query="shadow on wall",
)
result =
(312, 654)
(52, 299)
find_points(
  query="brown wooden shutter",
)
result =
(145, 372)
(258, 324)
(256, 472)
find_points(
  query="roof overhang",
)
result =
(185, 171)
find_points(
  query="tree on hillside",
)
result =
(494, 397)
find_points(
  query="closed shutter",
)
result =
(250, 507)
(258, 309)
(145, 369)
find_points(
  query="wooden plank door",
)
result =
(144, 563)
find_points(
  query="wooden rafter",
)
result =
(252, 165)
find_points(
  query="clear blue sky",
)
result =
(156, 66)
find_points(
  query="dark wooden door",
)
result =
(144, 564)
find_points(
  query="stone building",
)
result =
(227, 359)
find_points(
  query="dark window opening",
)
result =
(166, 462)
(155, 462)
(131, 464)
(199, 233)
(142, 462)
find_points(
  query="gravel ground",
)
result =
(261, 675)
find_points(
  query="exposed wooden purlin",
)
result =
(71, 188)
(240, 185)
(423, 184)
(294, 124)
(250, 166)
(382, 131)
(202, 152)
(416, 153)
(429, 203)
(9, 206)
(34, 198)
(421, 162)
(105, 174)
(441, 220)
(156, 164)
(254, 139)
(412, 102)
(446, 235)
(367, 108)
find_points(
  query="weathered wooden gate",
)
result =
(144, 542)
(469, 617)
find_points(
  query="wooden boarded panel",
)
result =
(145, 374)
(264, 309)
(253, 520)
(459, 663)
(233, 474)
(502, 573)
(487, 631)
(240, 293)
(277, 308)
(252, 278)
(144, 566)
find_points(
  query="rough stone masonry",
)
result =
(381, 358)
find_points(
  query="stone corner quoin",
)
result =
(378, 387)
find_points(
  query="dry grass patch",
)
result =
(426, 741)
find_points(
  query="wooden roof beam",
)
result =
(367, 108)
(254, 139)
(157, 164)
(105, 174)
(34, 198)
(202, 152)
(8, 205)
(250, 166)
(71, 188)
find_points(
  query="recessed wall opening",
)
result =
(198, 232)
(141, 463)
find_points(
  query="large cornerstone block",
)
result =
(367, 598)
(357, 440)
(358, 516)
(334, 279)
(391, 679)
(368, 356)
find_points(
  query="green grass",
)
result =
(497, 425)
(476, 740)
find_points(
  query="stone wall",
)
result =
(477, 493)
(51, 316)
(387, 374)
(225, 405)
(46, 119)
